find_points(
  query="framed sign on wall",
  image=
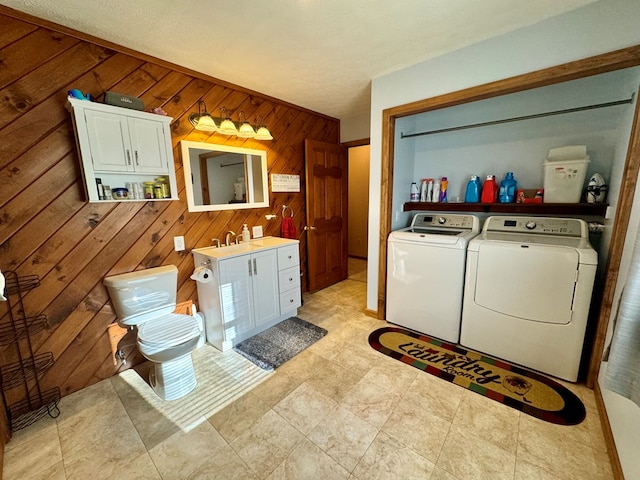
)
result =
(285, 183)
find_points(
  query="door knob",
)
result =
(306, 227)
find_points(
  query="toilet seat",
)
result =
(170, 330)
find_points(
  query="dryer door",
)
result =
(525, 280)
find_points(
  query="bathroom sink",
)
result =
(244, 247)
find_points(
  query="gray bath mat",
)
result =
(280, 343)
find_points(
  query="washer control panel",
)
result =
(570, 227)
(422, 220)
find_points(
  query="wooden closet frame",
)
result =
(608, 62)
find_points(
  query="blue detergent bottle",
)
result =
(507, 192)
(472, 194)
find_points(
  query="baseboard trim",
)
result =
(371, 313)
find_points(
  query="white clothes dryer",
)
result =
(425, 273)
(528, 290)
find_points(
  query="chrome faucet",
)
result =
(228, 237)
(216, 242)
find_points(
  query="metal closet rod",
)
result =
(525, 117)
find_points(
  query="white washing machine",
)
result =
(527, 294)
(425, 273)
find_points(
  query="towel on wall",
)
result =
(288, 228)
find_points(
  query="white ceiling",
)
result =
(318, 54)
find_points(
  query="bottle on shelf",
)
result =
(414, 193)
(472, 194)
(429, 190)
(507, 193)
(444, 184)
(489, 190)
(423, 190)
(436, 191)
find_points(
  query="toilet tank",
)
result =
(144, 294)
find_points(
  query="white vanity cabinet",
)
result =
(254, 286)
(119, 146)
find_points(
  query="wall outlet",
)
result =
(178, 244)
(257, 231)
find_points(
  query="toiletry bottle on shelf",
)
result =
(507, 193)
(444, 184)
(489, 190)
(414, 193)
(423, 190)
(472, 195)
(436, 191)
(246, 236)
(429, 190)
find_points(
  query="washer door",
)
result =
(528, 281)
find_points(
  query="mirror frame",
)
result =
(186, 145)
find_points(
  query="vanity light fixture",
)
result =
(227, 127)
(202, 120)
(243, 129)
(263, 132)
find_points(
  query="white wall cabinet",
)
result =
(119, 146)
(253, 287)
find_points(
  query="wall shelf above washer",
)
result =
(597, 209)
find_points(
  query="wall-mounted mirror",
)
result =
(219, 177)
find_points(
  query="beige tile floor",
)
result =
(338, 410)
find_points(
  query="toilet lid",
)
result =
(172, 329)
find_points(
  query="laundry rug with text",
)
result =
(517, 387)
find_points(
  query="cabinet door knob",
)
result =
(290, 279)
(249, 263)
(255, 267)
(137, 161)
(128, 157)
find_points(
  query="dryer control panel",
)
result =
(466, 222)
(568, 227)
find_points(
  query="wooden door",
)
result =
(326, 185)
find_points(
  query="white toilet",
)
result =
(147, 299)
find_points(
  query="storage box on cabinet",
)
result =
(120, 146)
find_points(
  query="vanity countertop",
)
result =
(244, 247)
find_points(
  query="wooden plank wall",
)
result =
(48, 229)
